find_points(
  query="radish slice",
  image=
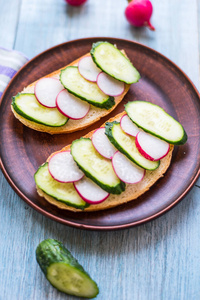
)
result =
(102, 144)
(88, 69)
(71, 106)
(109, 85)
(128, 126)
(90, 192)
(63, 168)
(46, 91)
(150, 146)
(126, 170)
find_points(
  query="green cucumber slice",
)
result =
(63, 271)
(27, 106)
(153, 119)
(95, 166)
(126, 144)
(63, 192)
(84, 89)
(113, 62)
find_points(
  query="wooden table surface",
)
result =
(158, 260)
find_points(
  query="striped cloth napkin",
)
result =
(10, 62)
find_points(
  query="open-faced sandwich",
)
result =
(114, 164)
(79, 94)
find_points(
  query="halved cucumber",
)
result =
(126, 144)
(113, 62)
(153, 119)
(27, 106)
(63, 192)
(63, 271)
(86, 90)
(95, 166)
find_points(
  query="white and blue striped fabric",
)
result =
(10, 62)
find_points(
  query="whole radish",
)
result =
(75, 2)
(138, 13)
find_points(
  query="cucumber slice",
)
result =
(126, 144)
(63, 271)
(95, 166)
(113, 62)
(86, 90)
(153, 119)
(27, 106)
(63, 192)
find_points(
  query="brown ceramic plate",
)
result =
(23, 150)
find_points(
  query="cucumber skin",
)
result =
(52, 251)
(82, 207)
(108, 132)
(109, 103)
(180, 142)
(92, 52)
(21, 113)
(117, 190)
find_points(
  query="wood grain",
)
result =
(158, 260)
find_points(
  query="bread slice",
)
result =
(132, 191)
(94, 114)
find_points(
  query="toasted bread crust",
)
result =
(132, 192)
(94, 115)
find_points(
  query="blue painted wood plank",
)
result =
(9, 11)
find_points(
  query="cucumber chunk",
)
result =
(86, 90)
(126, 144)
(63, 271)
(27, 106)
(63, 192)
(113, 62)
(153, 119)
(95, 166)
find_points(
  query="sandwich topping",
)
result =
(112, 158)
(97, 79)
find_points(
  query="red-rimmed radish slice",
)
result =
(109, 85)
(150, 146)
(128, 126)
(88, 69)
(63, 168)
(126, 170)
(46, 91)
(71, 106)
(102, 144)
(89, 191)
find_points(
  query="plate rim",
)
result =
(99, 227)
